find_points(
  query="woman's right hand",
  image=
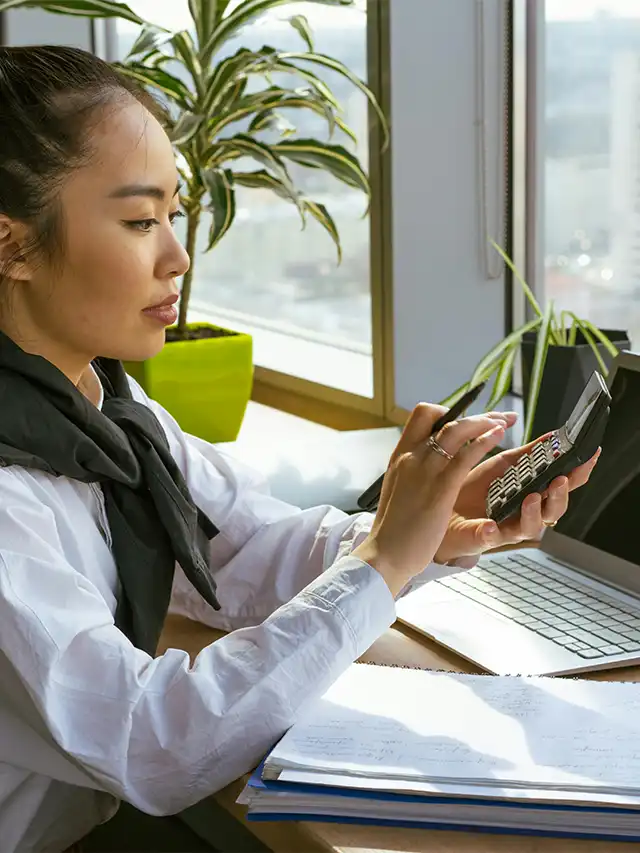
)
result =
(420, 490)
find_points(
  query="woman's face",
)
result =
(120, 255)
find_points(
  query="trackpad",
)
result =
(488, 639)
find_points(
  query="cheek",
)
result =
(116, 268)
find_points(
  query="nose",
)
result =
(176, 260)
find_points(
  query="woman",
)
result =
(101, 494)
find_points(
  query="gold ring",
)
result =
(433, 444)
(549, 523)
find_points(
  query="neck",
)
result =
(75, 367)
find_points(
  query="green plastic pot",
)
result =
(205, 383)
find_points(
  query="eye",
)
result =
(144, 225)
(177, 214)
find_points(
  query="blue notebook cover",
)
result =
(257, 782)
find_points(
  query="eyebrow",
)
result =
(131, 190)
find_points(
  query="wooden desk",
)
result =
(399, 645)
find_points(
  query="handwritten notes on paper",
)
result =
(416, 725)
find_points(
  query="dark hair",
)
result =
(48, 97)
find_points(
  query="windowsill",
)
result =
(314, 361)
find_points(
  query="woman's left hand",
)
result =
(470, 533)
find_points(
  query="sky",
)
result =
(173, 13)
(558, 10)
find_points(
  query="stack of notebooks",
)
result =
(524, 755)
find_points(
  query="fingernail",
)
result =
(490, 533)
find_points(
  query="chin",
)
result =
(145, 347)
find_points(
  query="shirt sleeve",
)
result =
(160, 733)
(267, 550)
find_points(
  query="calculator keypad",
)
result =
(528, 467)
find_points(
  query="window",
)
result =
(592, 160)
(308, 316)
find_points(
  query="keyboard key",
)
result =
(629, 646)
(589, 653)
(607, 634)
(586, 636)
(610, 650)
(550, 633)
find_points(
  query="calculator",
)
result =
(555, 455)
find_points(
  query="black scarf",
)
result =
(46, 423)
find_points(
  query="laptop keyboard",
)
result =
(556, 607)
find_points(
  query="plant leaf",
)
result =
(322, 215)
(264, 180)
(525, 287)
(186, 50)
(161, 80)
(453, 398)
(537, 370)
(185, 129)
(243, 145)
(219, 184)
(341, 68)
(81, 8)
(600, 335)
(301, 25)
(497, 353)
(504, 375)
(584, 328)
(335, 159)
(243, 15)
(150, 39)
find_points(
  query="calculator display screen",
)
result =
(583, 408)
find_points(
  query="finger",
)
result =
(579, 476)
(531, 521)
(556, 502)
(513, 455)
(473, 453)
(454, 435)
(418, 427)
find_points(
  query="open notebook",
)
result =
(393, 745)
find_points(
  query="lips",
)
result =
(164, 312)
(170, 300)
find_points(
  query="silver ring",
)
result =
(433, 444)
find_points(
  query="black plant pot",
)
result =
(566, 372)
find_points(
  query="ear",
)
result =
(13, 240)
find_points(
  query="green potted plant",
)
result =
(223, 110)
(559, 351)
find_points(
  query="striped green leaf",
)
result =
(264, 180)
(301, 25)
(453, 398)
(246, 13)
(150, 39)
(335, 159)
(339, 67)
(322, 215)
(80, 8)
(226, 73)
(161, 81)
(243, 145)
(498, 352)
(185, 129)
(186, 51)
(504, 376)
(525, 287)
(537, 371)
(206, 15)
(222, 205)
(583, 326)
(600, 335)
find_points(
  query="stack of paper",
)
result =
(511, 754)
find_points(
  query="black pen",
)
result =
(369, 499)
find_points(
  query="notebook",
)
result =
(445, 750)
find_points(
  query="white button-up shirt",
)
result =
(87, 719)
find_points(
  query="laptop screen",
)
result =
(606, 512)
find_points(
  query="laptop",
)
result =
(573, 604)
